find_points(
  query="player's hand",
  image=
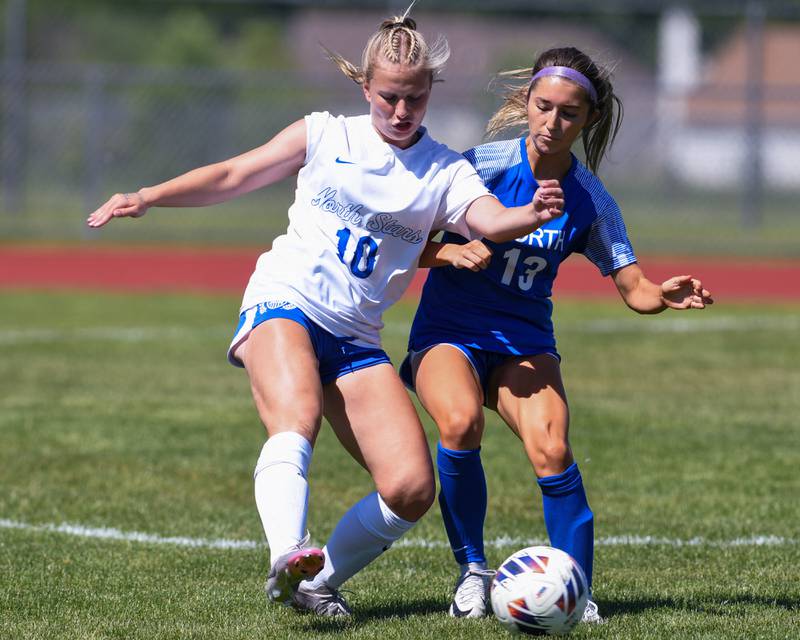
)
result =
(120, 205)
(473, 256)
(548, 201)
(685, 292)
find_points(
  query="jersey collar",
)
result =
(528, 170)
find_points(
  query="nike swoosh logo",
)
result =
(340, 161)
(458, 612)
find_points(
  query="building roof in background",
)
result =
(481, 45)
(722, 96)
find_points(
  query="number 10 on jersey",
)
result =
(362, 261)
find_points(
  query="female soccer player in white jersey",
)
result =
(370, 190)
(484, 334)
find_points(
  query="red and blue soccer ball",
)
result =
(539, 591)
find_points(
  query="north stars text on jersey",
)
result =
(354, 213)
(551, 239)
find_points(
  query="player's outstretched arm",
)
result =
(279, 158)
(487, 217)
(473, 256)
(644, 296)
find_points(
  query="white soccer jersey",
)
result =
(362, 213)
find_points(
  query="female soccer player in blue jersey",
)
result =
(370, 190)
(483, 335)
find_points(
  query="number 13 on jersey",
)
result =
(362, 259)
(534, 265)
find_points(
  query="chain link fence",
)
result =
(711, 137)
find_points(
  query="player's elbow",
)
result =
(500, 235)
(491, 227)
(230, 178)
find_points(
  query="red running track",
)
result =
(149, 269)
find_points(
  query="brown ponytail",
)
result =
(606, 115)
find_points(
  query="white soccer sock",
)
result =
(281, 490)
(474, 566)
(368, 529)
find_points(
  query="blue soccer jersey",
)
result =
(506, 308)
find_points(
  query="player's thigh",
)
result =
(373, 417)
(284, 377)
(449, 389)
(529, 395)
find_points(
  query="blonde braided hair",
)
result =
(396, 41)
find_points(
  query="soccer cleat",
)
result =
(591, 615)
(289, 570)
(322, 600)
(471, 594)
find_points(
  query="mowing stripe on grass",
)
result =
(23, 335)
(107, 533)
(690, 325)
(109, 334)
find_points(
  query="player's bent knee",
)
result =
(461, 429)
(299, 414)
(410, 499)
(551, 458)
(306, 424)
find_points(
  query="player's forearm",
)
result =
(435, 254)
(645, 297)
(207, 185)
(279, 158)
(500, 224)
(515, 223)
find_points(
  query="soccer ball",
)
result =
(539, 591)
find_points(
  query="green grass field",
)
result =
(119, 414)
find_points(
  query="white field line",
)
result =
(19, 336)
(672, 324)
(109, 334)
(107, 533)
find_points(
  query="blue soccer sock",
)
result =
(568, 518)
(367, 530)
(462, 499)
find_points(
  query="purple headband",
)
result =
(570, 74)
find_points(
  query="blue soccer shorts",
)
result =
(337, 356)
(483, 362)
